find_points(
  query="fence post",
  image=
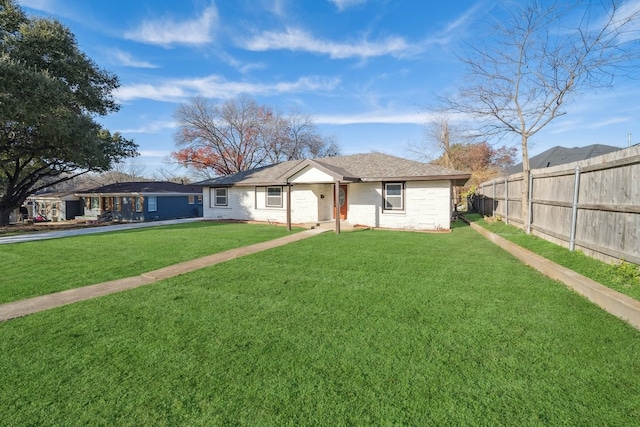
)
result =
(506, 200)
(574, 211)
(493, 202)
(529, 217)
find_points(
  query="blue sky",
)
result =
(365, 70)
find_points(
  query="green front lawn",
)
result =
(624, 278)
(362, 328)
(42, 267)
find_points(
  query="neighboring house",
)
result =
(55, 205)
(560, 155)
(142, 201)
(375, 190)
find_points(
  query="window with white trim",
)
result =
(191, 199)
(393, 196)
(274, 197)
(219, 197)
(138, 201)
(152, 203)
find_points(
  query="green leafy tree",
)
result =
(50, 95)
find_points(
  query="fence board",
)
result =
(608, 207)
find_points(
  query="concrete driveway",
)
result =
(29, 237)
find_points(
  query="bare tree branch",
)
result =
(539, 58)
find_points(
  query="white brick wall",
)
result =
(427, 205)
(249, 203)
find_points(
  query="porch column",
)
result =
(336, 203)
(289, 207)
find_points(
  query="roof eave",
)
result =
(136, 194)
(456, 177)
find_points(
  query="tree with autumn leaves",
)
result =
(217, 139)
(447, 144)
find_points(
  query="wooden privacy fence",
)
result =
(592, 205)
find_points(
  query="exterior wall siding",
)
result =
(168, 207)
(427, 205)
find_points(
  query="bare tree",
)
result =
(238, 135)
(438, 137)
(305, 141)
(521, 77)
(225, 138)
(164, 174)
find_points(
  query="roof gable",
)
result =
(309, 174)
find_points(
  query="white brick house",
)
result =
(375, 190)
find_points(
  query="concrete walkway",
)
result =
(29, 237)
(33, 305)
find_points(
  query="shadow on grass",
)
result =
(458, 223)
(472, 216)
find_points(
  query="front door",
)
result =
(343, 203)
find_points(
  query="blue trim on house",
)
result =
(168, 207)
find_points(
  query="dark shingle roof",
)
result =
(560, 155)
(376, 166)
(262, 175)
(144, 187)
(357, 167)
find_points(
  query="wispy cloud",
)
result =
(295, 39)
(299, 40)
(152, 127)
(344, 4)
(379, 117)
(467, 17)
(167, 31)
(217, 87)
(48, 6)
(457, 28)
(242, 66)
(126, 59)
(627, 21)
(155, 153)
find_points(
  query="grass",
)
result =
(624, 277)
(362, 328)
(37, 268)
